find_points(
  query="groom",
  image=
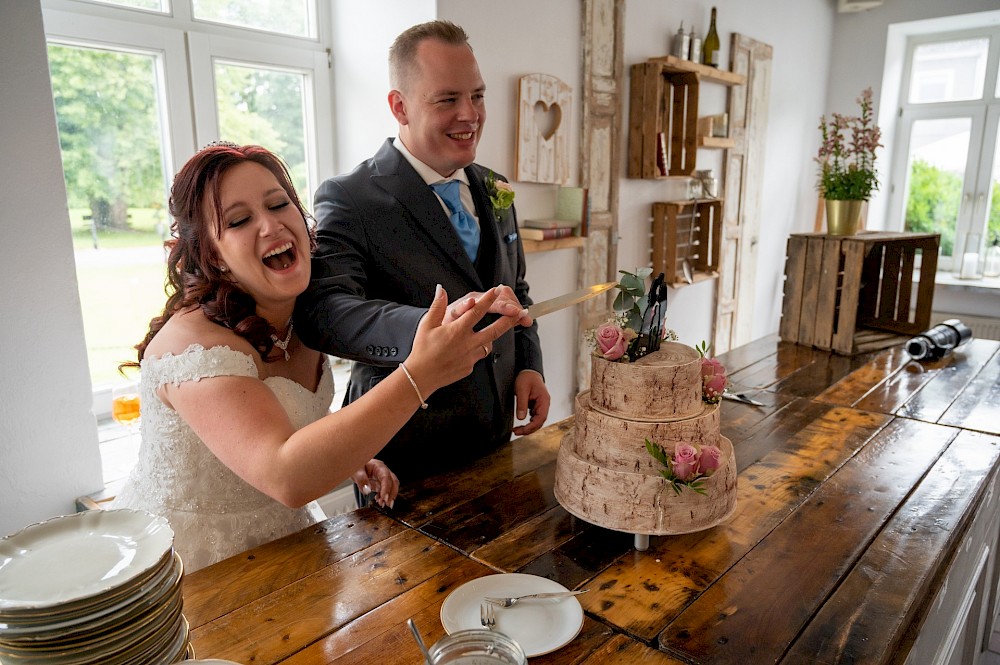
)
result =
(419, 213)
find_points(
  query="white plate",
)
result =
(539, 626)
(78, 556)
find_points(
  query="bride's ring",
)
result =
(486, 351)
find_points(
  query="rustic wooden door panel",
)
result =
(603, 44)
(642, 592)
(896, 459)
(882, 593)
(743, 177)
(950, 377)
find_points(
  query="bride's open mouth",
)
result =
(280, 258)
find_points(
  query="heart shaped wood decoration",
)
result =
(547, 118)
(542, 143)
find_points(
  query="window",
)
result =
(946, 152)
(137, 90)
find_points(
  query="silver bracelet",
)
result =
(423, 404)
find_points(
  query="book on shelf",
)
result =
(553, 233)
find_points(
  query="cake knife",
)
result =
(559, 302)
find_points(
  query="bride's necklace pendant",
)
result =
(283, 343)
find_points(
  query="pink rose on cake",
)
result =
(711, 459)
(612, 341)
(685, 462)
(689, 466)
(713, 375)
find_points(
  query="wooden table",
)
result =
(867, 485)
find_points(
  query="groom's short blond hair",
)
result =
(403, 52)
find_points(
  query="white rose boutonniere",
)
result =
(501, 194)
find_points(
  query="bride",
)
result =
(237, 436)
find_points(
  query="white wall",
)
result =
(48, 438)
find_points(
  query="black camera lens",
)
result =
(939, 340)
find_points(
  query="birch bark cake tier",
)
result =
(604, 473)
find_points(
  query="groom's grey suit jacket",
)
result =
(384, 242)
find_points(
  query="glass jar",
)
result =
(477, 647)
(991, 267)
(693, 188)
(709, 183)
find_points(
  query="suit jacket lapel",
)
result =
(397, 177)
(489, 238)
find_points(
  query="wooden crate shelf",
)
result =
(663, 137)
(852, 294)
(674, 223)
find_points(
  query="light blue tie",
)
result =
(465, 225)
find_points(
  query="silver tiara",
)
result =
(221, 144)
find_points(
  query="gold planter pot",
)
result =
(843, 217)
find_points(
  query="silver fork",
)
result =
(487, 616)
(510, 602)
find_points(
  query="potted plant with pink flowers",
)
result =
(847, 175)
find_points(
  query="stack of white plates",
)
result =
(103, 586)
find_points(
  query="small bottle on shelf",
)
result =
(681, 44)
(710, 47)
(695, 46)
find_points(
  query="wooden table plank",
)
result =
(472, 524)
(881, 595)
(643, 591)
(419, 503)
(280, 563)
(786, 360)
(620, 649)
(521, 544)
(858, 384)
(381, 635)
(952, 375)
(749, 354)
(812, 379)
(739, 420)
(978, 407)
(287, 620)
(752, 615)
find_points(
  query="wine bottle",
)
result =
(710, 46)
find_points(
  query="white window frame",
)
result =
(983, 114)
(187, 49)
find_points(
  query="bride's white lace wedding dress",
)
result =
(213, 512)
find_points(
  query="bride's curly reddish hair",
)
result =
(193, 274)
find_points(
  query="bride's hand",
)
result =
(446, 352)
(376, 477)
